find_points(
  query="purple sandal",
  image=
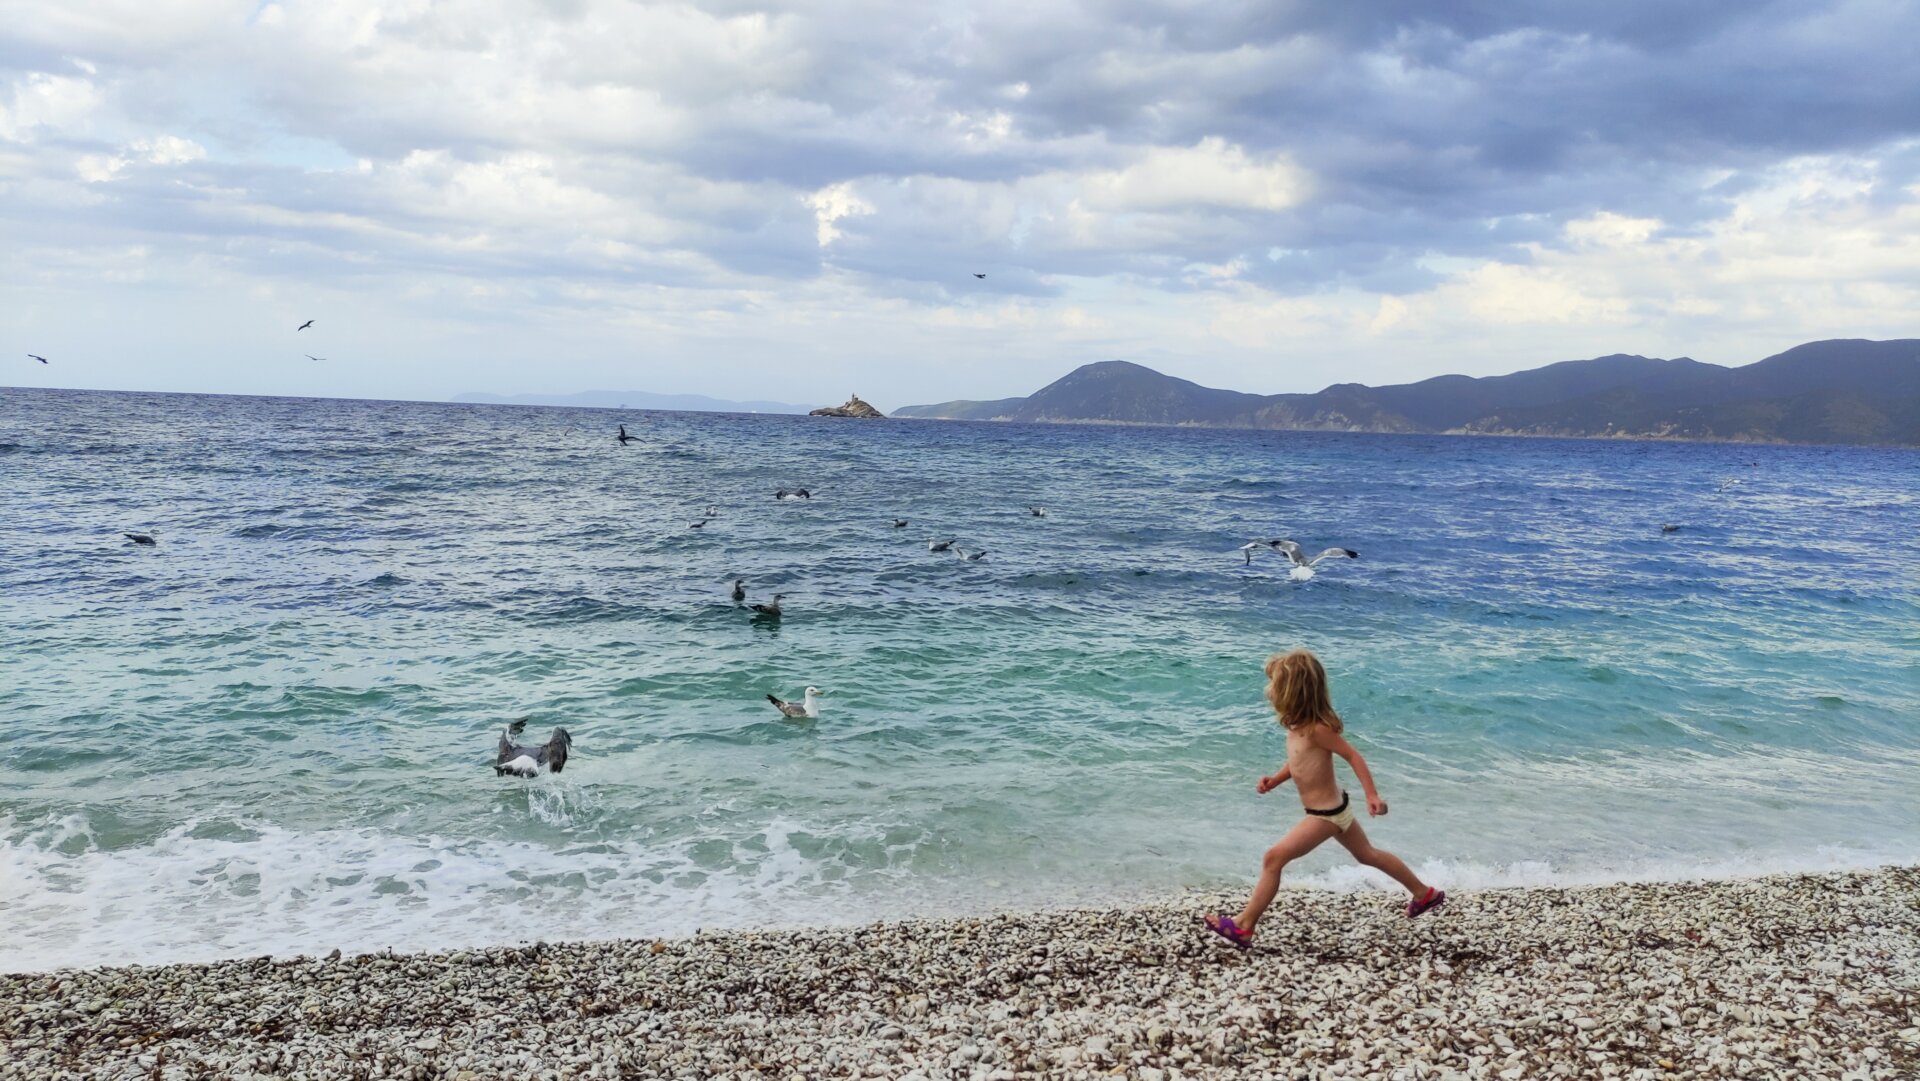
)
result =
(1434, 899)
(1227, 929)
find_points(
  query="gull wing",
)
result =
(1292, 551)
(1328, 554)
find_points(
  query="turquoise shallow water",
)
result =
(272, 732)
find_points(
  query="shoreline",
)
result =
(1786, 975)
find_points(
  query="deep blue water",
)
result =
(273, 731)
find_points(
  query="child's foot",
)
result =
(1227, 929)
(1433, 899)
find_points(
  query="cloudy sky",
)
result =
(791, 200)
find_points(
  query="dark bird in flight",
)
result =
(938, 545)
(303, 326)
(771, 609)
(38, 357)
(701, 524)
(525, 760)
(979, 275)
(797, 493)
(141, 539)
(310, 356)
(623, 437)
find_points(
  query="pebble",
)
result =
(1787, 976)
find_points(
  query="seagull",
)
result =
(771, 609)
(971, 557)
(310, 356)
(1253, 546)
(525, 760)
(899, 523)
(808, 708)
(1302, 566)
(712, 511)
(141, 539)
(697, 525)
(623, 437)
(980, 275)
(1728, 483)
(1036, 511)
(38, 357)
(938, 545)
(739, 590)
(1669, 527)
(797, 493)
(303, 326)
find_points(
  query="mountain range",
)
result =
(1837, 391)
(634, 399)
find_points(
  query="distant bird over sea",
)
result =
(739, 590)
(1302, 566)
(971, 556)
(142, 539)
(899, 523)
(525, 760)
(38, 357)
(938, 545)
(980, 275)
(623, 437)
(303, 326)
(712, 511)
(310, 356)
(771, 609)
(797, 493)
(808, 708)
(1036, 511)
(700, 524)
(1669, 527)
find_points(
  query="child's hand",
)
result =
(1376, 806)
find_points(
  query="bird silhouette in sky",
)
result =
(979, 275)
(38, 357)
(310, 356)
(304, 325)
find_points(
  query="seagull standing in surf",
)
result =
(1302, 566)
(810, 707)
(525, 760)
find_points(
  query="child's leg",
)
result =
(1300, 840)
(1355, 839)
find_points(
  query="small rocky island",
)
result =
(855, 407)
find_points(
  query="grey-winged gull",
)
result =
(141, 539)
(810, 707)
(771, 609)
(525, 760)
(938, 545)
(739, 590)
(1302, 566)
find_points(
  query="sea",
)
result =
(273, 731)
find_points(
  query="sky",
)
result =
(792, 200)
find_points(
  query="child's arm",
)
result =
(1268, 784)
(1333, 741)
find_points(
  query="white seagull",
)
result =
(1253, 546)
(808, 708)
(1302, 566)
(938, 545)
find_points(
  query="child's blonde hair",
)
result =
(1297, 687)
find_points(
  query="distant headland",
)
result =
(1840, 391)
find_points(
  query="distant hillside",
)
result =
(1840, 391)
(634, 399)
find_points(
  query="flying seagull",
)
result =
(623, 437)
(797, 493)
(1302, 566)
(980, 275)
(141, 539)
(303, 326)
(525, 760)
(899, 523)
(697, 525)
(310, 356)
(938, 545)
(739, 590)
(771, 609)
(971, 557)
(38, 357)
(808, 708)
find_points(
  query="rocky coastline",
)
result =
(1793, 976)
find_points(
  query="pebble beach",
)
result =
(1803, 976)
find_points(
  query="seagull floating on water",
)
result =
(1036, 511)
(1302, 566)
(797, 493)
(303, 326)
(808, 708)
(623, 437)
(701, 524)
(1669, 527)
(971, 557)
(899, 523)
(525, 760)
(38, 357)
(141, 539)
(739, 590)
(712, 511)
(771, 609)
(938, 545)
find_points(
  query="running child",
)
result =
(1297, 688)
